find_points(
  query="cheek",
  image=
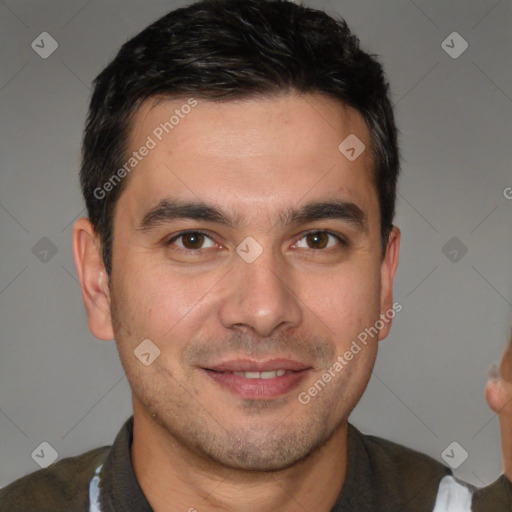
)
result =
(158, 302)
(345, 299)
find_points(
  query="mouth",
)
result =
(255, 380)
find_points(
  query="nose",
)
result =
(259, 296)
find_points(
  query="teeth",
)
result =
(260, 375)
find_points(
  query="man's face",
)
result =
(260, 290)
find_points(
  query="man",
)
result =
(239, 170)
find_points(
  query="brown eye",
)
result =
(191, 240)
(318, 240)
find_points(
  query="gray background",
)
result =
(59, 384)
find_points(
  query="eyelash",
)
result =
(342, 242)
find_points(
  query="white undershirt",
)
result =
(453, 496)
(94, 491)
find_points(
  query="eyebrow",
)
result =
(169, 209)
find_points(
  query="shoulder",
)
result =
(496, 497)
(398, 458)
(62, 486)
(398, 472)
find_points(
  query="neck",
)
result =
(174, 477)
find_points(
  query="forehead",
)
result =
(257, 153)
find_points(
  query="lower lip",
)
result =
(258, 389)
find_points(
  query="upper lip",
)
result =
(247, 365)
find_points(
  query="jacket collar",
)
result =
(119, 489)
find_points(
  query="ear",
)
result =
(495, 395)
(93, 279)
(387, 275)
